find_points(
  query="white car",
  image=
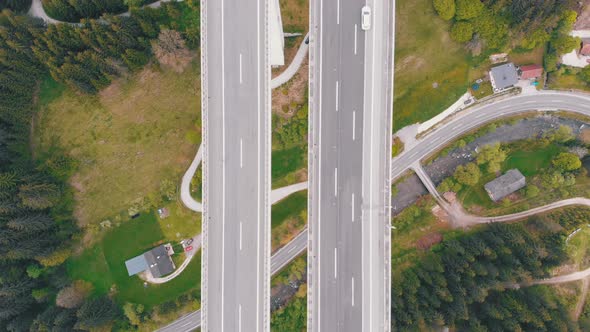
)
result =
(366, 18)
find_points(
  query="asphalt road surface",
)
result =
(350, 81)
(462, 123)
(236, 209)
(476, 116)
(281, 258)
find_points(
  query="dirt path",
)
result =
(582, 299)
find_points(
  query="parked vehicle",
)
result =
(366, 18)
(189, 248)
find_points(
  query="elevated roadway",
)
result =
(350, 125)
(236, 166)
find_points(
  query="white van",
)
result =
(366, 18)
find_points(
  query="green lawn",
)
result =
(287, 165)
(528, 159)
(424, 55)
(181, 223)
(104, 264)
(288, 218)
(125, 140)
(529, 162)
(476, 195)
(485, 89)
(566, 78)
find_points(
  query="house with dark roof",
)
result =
(529, 72)
(505, 185)
(503, 76)
(156, 261)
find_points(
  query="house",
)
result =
(585, 49)
(530, 72)
(503, 76)
(505, 185)
(156, 261)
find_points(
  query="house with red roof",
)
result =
(529, 72)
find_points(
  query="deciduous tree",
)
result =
(468, 174)
(567, 161)
(468, 9)
(445, 8)
(462, 31)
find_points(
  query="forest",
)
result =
(503, 25)
(465, 281)
(18, 6)
(37, 229)
(73, 11)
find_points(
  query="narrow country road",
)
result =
(564, 278)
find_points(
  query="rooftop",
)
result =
(505, 185)
(530, 71)
(156, 260)
(136, 265)
(159, 262)
(503, 76)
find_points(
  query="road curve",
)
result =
(286, 75)
(564, 278)
(541, 209)
(461, 124)
(477, 116)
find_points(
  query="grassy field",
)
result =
(412, 226)
(295, 15)
(425, 55)
(288, 165)
(289, 217)
(566, 78)
(578, 248)
(126, 141)
(182, 223)
(104, 265)
(431, 70)
(530, 161)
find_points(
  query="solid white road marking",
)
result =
(338, 12)
(355, 32)
(336, 181)
(241, 153)
(335, 263)
(240, 68)
(353, 291)
(336, 96)
(240, 236)
(223, 165)
(319, 213)
(239, 318)
(258, 278)
(353, 125)
(352, 207)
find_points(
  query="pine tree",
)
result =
(31, 222)
(96, 312)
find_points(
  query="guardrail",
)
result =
(204, 162)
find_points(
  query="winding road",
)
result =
(460, 124)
